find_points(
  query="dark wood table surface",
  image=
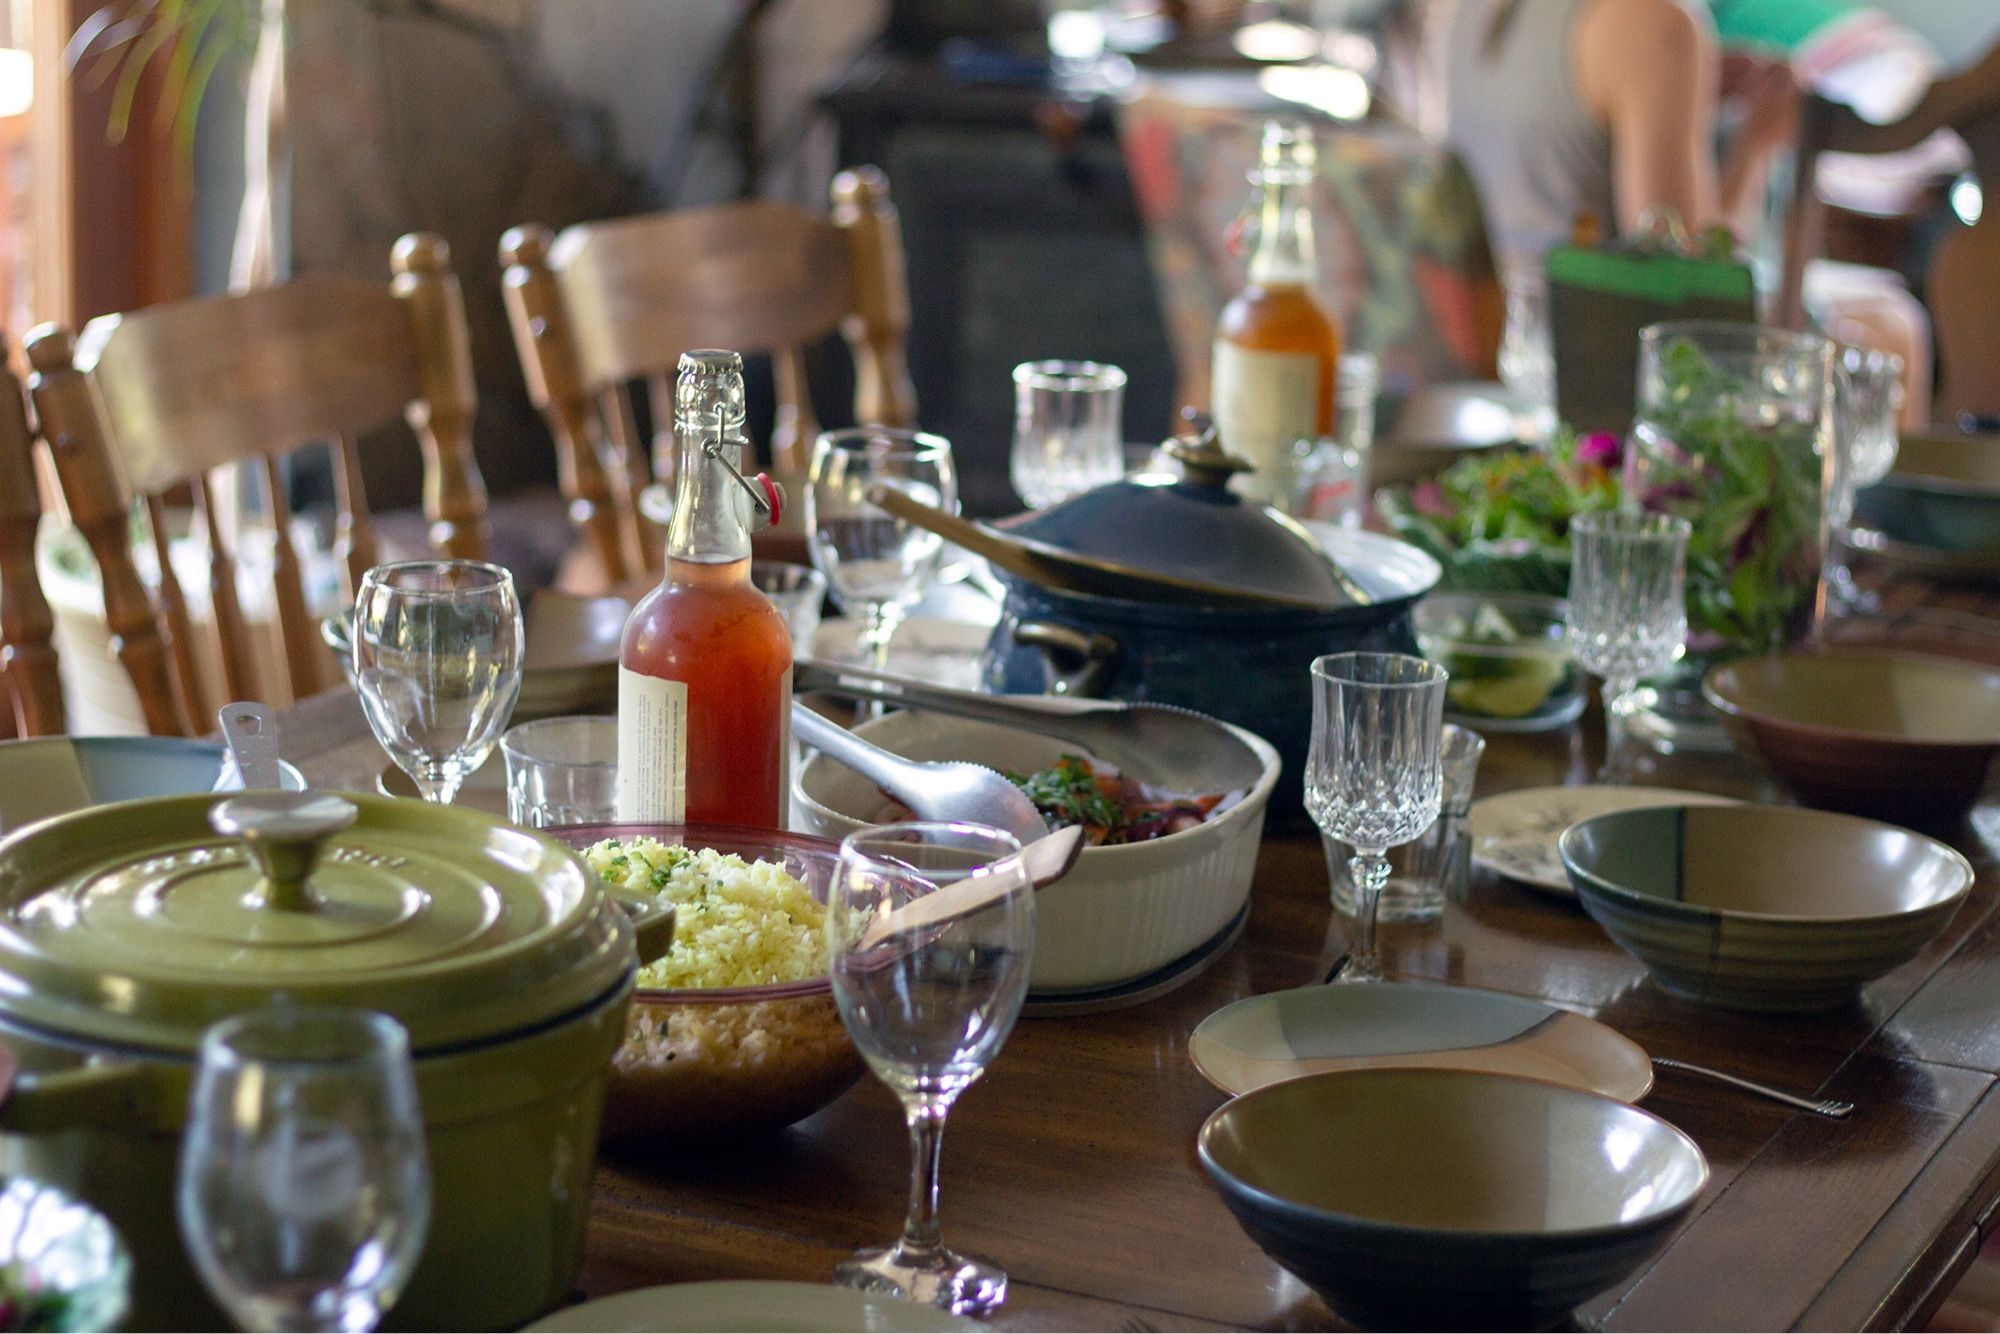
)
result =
(1072, 1163)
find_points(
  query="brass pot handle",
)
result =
(1079, 663)
(125, 1095)
(284, 833)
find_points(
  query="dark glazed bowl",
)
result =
(1896, 736)
(1446, 1199)
(1763, 907)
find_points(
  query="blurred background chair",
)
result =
(602, 313)
(30, 686)
(157, 404)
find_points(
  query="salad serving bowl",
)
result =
(1123, 911)
(1896, 736)
(719, 1061)
(1448, 1199)
(1763, 907)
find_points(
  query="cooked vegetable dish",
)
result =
(1111, 807)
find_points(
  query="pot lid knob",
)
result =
(284, 832)
(1202, 457)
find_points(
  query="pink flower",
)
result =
(1429, 499)
(1602, 448)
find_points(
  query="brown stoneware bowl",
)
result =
(1896, 736)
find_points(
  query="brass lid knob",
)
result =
(1201, 456)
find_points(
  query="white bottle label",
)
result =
(1265, 403)
(652, 749)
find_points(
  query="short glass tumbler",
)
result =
(1068, 429)
(799, 594)
(1374, 773)
(1435, 865)
(1627, 615)
(562, 771)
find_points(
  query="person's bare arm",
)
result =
(1650, 69)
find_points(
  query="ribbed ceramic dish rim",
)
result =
(1827, 732)
(1694, 911)
(819, 985)
(1416, 1233)
(1254, 800)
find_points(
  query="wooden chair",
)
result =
(607, 305)
(30, 689)
(152, 402)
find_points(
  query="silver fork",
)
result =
(1828, 1107)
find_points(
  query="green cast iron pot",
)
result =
(125, 931)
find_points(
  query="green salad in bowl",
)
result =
(1499, 521)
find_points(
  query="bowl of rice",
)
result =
(734, 1030)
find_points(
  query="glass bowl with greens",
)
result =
(1499, 521)
(1509, 660)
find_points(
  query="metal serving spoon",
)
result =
(932, 791)
(252, 736)
(1167, 747)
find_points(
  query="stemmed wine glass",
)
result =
(1868, 405)
(877, 563)
(1627, 616)
(1068, 429)
(1374, 772)
(929, 1008)
(305, 1189)
(437, 659)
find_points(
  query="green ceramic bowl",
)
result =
(1445, 1199)
(1763, 907)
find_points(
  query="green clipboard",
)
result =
(1599, 300)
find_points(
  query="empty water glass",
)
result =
(1068, 435)
(1527, 349)
(928, 1007)
(1627, 615)
(1435, 865)
(562, 771)
(305, 1188)
(799, 594)
(437, 663)
(1374, 774)
(1868, 406)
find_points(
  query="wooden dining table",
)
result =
(1072, 1163)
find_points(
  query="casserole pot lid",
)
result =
(143, 922)
(1193, 529)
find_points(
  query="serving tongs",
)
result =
(1166, 746)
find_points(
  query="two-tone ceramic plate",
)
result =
(749, 1305)
(1411, 1025)
(1514, 834)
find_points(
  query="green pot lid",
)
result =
(144, 922)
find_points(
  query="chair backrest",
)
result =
(607, 305)
(30, 688)
(152, 402)
(1964, 300)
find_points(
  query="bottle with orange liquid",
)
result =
(1276, 346)
(705, 672)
